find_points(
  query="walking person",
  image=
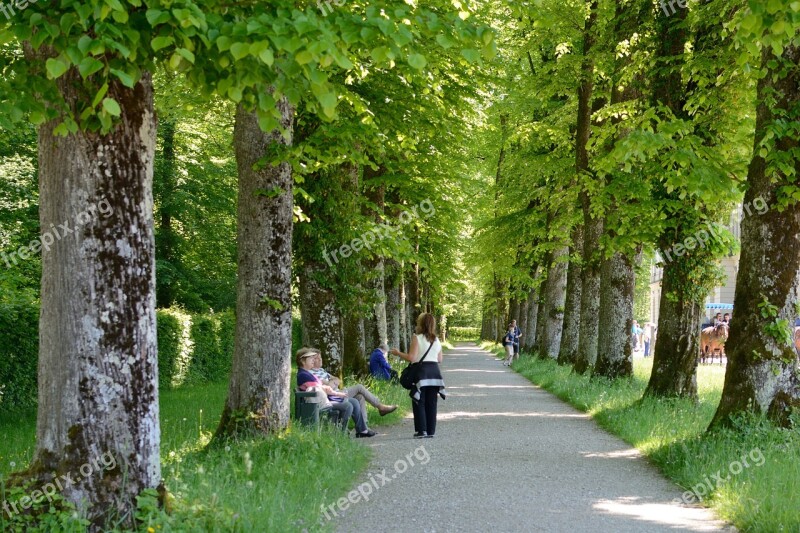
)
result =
(425, 347)
(508, 344)
(517, 337)
(646, 337)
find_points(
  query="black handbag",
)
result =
(408, 377)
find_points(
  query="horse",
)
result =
(712, 339)
(797, 340)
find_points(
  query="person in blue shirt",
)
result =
(379, 367)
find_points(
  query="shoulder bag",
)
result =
(408, 377)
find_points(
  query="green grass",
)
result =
(272, 484)
(672, 433)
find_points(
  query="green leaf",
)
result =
(111, 107)
(89, 66)
(100, 94)
(56, 67)
(126, 79)
(417, 61)
(240, 50)
(267, 57)
(161, 42)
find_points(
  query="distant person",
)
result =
(727, 318)
(636, 332)
(517, 336)
(508, 344)
(717, 320)
(357, 391)
(379, 366)
(430, 384)
(646, 337)
(336, 400)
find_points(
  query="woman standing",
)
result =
(425, 346)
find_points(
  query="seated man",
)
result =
(338, 401)
(358, 391)
(379, 367)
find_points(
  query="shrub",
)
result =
(459, 333)
(19, 355)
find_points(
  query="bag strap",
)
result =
(426, 352)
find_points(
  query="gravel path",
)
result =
(509, 456)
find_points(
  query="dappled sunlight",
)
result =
(630, 453)
(474, 414)
(669, 514)
(473, 370)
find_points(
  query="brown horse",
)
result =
(797, 340)
(712, 339)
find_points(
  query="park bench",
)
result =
(307, 409)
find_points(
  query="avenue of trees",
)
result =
(342, 123)
(629, 130)
(353, 164)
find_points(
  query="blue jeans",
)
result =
(350, 408)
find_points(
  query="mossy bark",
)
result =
(614, 348)
(98, 361)
(570, 338)
(258, 394)
(763, 368)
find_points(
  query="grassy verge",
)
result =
(273, 484)
(749, 475)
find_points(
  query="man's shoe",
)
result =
(386, 409)
(428, 437)
(421, 435)
(366, 435)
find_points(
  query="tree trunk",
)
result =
(355, 347)
(405, 329)
(614, 348)
(523, 321)
(533, 311)
(392, 284)
(593, 225)
(554, 299)
(413, 304)
(676, 352)
(762, 365)
(98, 361)
(570, 338)
(165, 185)
(258, 394)
(321, 318)
(513, 310)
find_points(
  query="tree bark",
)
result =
(554, 299)
(258, 394)
(523, 321)
(614, 348)
(392, 283)
(321, 317)
(593, 225)
(762, 365)
(98, 362)
(570, 338)
(165, 187)
(676, 353)
(355, 347)
(533, 311)
(513, 310)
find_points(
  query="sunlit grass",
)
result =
(761, 496)
(272, 484)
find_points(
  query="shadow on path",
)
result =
(509, 456)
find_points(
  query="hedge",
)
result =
(191, 349)
(458, 333)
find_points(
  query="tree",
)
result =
(762, 364)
